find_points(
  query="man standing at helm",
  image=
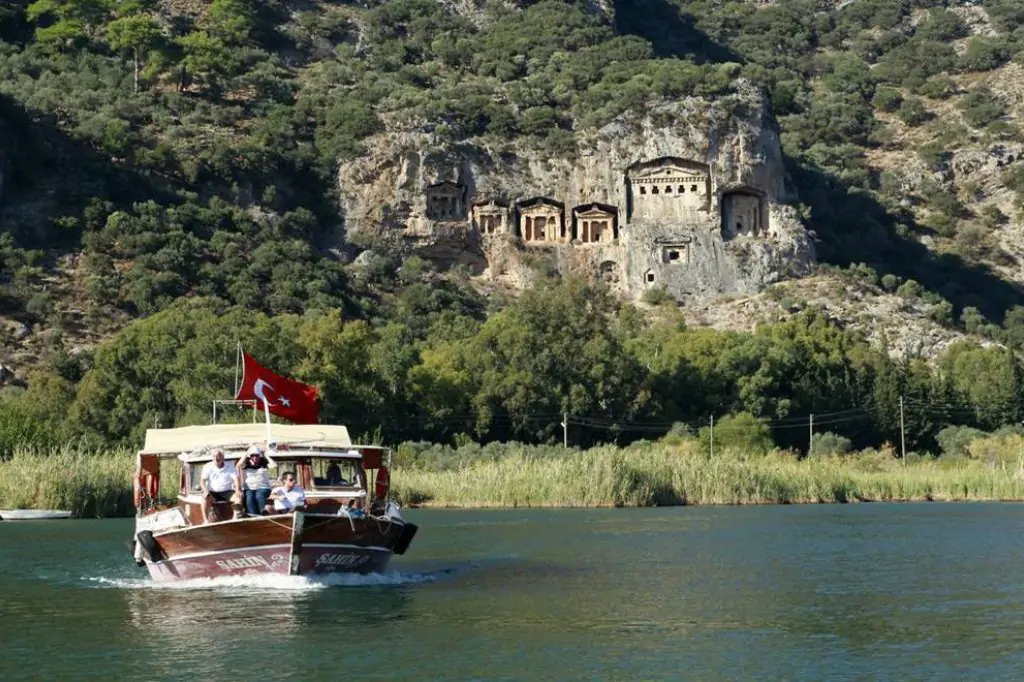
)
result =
(218, 480)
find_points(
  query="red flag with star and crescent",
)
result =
(287, 398)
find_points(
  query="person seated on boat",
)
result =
(333, 475)
(288, 497)
(254, 479)
(219, 481)
(354, 509)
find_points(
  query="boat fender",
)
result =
(149, 545)
(382, 485)
(137, 552)
(405, 538)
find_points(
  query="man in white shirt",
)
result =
(219, 480)
(288, 497)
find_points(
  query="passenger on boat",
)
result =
(288, 497)
(333, 476)
(218, 480)
(254, 479)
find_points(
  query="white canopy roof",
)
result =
(240, 436)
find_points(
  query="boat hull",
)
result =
(270, 560)
(306, 545)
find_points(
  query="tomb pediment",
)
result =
(540, 204)
(744, 190)
(445, 186)
(666, 173)
(595, 212)
(668, 167)
(491, 206)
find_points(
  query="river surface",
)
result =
(858, 592)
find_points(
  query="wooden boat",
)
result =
(347, 526)
(33, 514)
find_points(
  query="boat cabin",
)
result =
(335, 474)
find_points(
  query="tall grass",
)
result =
(99, 483)
(87, 483)
(651, 474)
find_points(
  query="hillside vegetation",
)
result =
(176, 161)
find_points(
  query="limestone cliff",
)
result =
(690, 197)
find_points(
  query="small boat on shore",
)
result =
(33, 514)
(348, 524)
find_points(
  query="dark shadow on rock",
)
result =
(672, 32)
(49, 175)
(853, 227)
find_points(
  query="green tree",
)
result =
(231, 21)
(207, 57)
(137, 34)
(553, 351)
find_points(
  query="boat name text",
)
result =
(243, 562)
(341, 560)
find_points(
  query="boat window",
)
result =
(337, 473)
(277, 475)
(195, 474)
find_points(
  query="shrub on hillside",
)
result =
(658, 295)
(887, 99)
(984, 54)
(913, 112)
(981, 107)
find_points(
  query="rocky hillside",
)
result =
(689, 199)
(287, 157)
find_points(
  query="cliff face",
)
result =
(689, 198)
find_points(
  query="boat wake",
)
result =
(270, 582)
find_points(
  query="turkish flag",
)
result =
(287, 398)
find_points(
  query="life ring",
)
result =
(382, 485)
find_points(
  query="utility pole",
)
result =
(712, 435)
(565, 429)
(810, 437)
(903, 436)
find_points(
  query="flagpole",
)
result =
(266, 411)
(238, 356)
(270, 459)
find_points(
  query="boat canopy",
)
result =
(173, 442)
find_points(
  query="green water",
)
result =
(865, 592)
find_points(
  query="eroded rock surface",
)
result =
(691, 197)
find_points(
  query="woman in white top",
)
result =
(288, 497)
(254, 475)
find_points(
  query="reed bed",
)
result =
(88, 483)
(657, 475)
(99, 483)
